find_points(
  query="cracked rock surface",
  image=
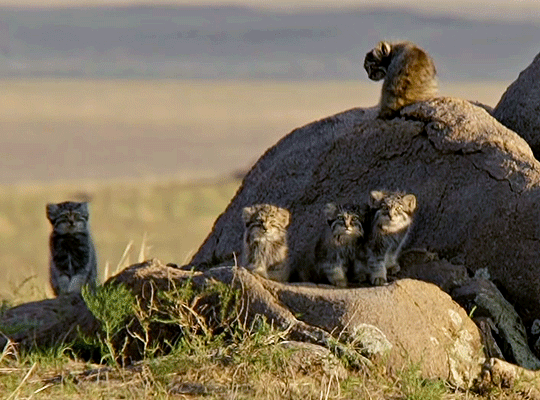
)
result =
(477, 185)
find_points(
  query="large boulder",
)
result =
(477, 184)
(406, 322)
(519, 107)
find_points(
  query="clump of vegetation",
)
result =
(112, 305)
(414, 387)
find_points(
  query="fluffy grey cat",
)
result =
(408, 72)
(73, 260)
(265, 251)
(391, 217)
(340, 247)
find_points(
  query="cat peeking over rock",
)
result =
(408, 72)
(73, 262)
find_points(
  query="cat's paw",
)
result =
(378, 281)
(337, 277)
(394, 269)
(342, 283)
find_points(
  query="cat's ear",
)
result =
(385, 48)
(285, 216)
(247, 213)
(83, 208)
(409, 202)
(52, 210)
(375, 198)
(330, 211)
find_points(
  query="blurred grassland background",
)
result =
(215, 129)
(168, 218)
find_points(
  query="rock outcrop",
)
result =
(519, 107)
(477, 185)
(483, 300)
(406, 321)
(47, 322)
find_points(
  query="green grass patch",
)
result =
(414, 387)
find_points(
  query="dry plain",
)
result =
(157, 158)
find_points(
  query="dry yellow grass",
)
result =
(170, 218)
(162, 102)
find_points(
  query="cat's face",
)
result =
(68, 217)
(345, 221)
(377, 61)
(265, 221)
(394, 210)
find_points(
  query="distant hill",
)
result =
(239, 43)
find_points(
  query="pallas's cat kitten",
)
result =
(391, 220)
(265, 250)
(73, 260)
(340, 245)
